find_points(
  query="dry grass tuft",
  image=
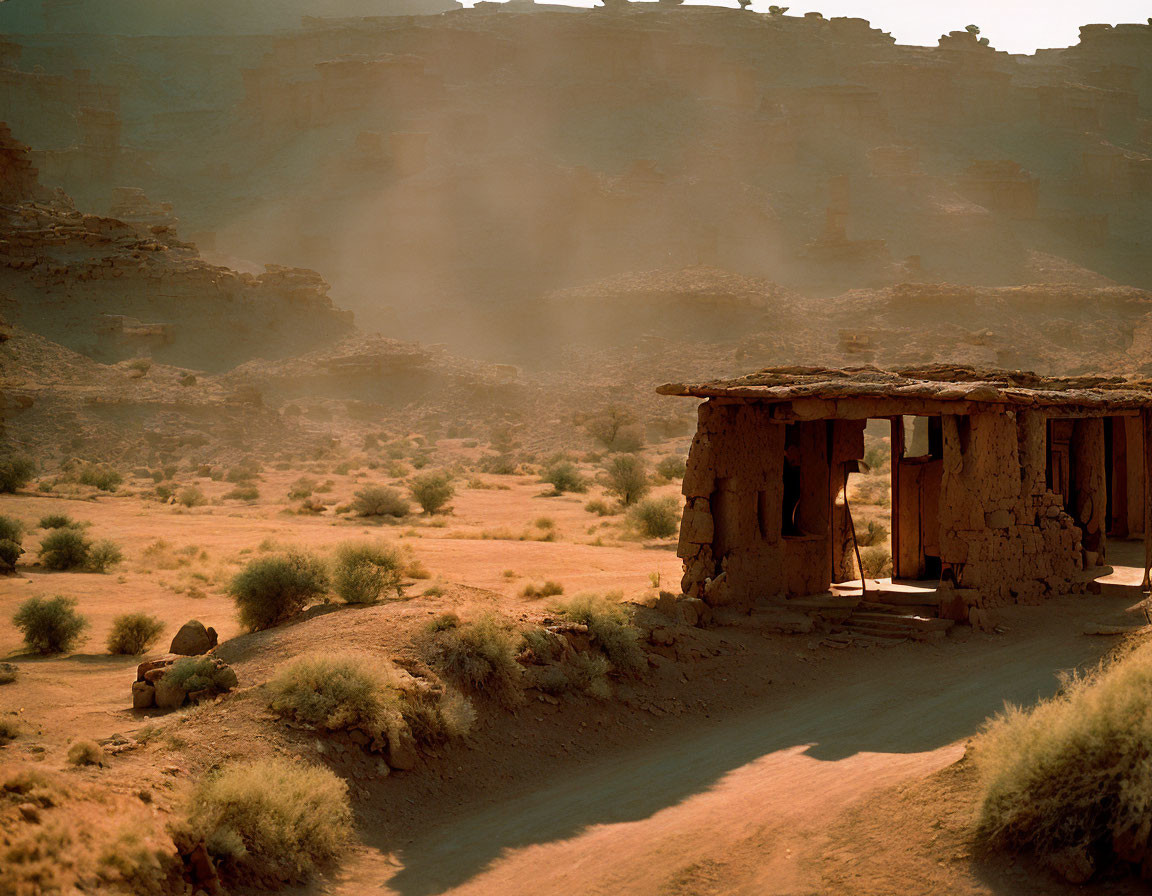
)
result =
(272, 819)
(1073, 774)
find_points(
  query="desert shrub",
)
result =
(564, 476)
(626, 477)
(58, 521)
(133, 633)
(15, 473)
(65, 549)
(380, 500)
(243, 493)
(50, 625)
(432, 491)
(480, 655)
(140, 365)
(11, 533)
(335, 693)
(878, 456)
(600, 508)
(191, 496)
(876, 491)
(197, 673)
(614, 427)
(1072, 774)
(270, 589)
(656, 517)
(588, 672)
(103, 555)
(99, 476)
(272, 819)
(870, 534)
(245, 471)
(610, 628)
(436, 717)
(86, 752)
(876, 561)
(302, 488)
(363, 571)
(10, 553)
(548, 589)
(9, 730)
(672, 468)
(443, 622)
(11, 529)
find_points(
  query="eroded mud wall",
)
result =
(1002, 531)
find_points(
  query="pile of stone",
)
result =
(187, 673)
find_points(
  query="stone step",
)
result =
(873, 630)
(923, 623)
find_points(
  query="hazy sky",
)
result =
(1018, 27)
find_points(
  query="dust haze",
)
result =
(333, 470)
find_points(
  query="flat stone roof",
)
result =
(944, 388)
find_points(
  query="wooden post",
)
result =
(897, 453)
(1146, 419)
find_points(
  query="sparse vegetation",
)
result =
(600, 508)
(197, 673)
(11, 535)
(10, 553)
(615, 427)
(564, 476)
(380, 500)
(335, 693)
(610, 628)
(656, 517)
(50, 624)
(672, 468)
(1071, 776)
(626, 477)
(271, 589)
(99, 476)
(876, 561)
(548, 589)
(103, 555)
(86, 752)
(64, 549)
(15, 473)
(480, 655)
(9, 730)
(302, 488)
(272, 819)
(248, 493)
(363, 571)
(133, 633)
(871, 533)
(11, 529)
(432, 491)
(58, 521)
(191, 496)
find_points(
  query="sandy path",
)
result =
(736, 807)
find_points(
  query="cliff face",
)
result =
(488, 155)
(115, 289)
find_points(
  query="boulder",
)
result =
(8, 672)
(160, 663)
(193, 639)
(143, 695)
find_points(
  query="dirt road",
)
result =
(739, 805)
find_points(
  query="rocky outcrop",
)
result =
(172, 680)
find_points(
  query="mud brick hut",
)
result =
(1005, 483)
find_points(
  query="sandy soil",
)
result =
(743, 763)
